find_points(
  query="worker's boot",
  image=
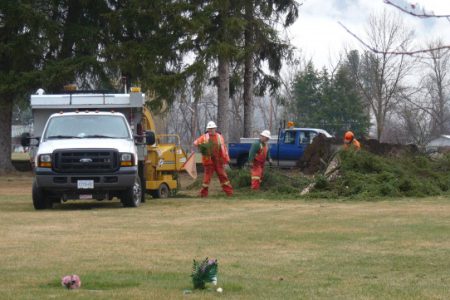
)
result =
(227, 188)
(204, 191)
(256, 181)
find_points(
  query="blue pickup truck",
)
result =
(285, 149)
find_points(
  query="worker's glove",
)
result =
(270, 162)
(226, 167)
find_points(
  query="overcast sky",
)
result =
(320, 37)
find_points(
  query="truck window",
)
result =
(87, 126)
(289, 137)
(306, 137)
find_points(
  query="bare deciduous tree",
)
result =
(431, 96)
(380, 75)
(286, 94)
(437, 83)
(417, 124)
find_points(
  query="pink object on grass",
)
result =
(71, 281)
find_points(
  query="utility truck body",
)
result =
(99, 146)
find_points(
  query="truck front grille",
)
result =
(85, 161)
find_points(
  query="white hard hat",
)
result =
(266, 133)
(211, 124)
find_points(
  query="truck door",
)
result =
(305, 138)
(288, 147)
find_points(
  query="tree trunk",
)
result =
(380, 126)
(5, 136)
(248, 70)
(442, 102)
(223, 96)
(194, 122)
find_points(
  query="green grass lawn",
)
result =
(267, 249)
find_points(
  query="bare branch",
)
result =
(419, 15)
(377, 51)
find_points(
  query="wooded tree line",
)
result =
(389, 95)
(156, 44)
(220, 60)
(384, 86)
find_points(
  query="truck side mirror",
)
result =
(150, 137)
(25, 139)
(139, 133)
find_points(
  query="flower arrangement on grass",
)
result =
(71, 282)
(204, 272)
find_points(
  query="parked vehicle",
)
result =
(99, 146)
(285, 149)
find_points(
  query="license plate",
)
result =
(85, 197)
(85, 184)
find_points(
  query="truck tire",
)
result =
(40, 200)
(132, 196)
(162, 192)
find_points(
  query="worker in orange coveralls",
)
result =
(259, 153)
(350, 142)
(214, 157)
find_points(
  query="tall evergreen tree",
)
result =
(308, 96)
(216, 29)
(148, 41)
(47, 43)
(21, 49)
(77, 40)
(348, 111)
(263, 44)
(331, 103)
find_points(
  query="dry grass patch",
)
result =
(16, 184)
(266, 249)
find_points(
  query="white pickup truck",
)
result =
(86, 153)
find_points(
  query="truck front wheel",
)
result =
(132, 197)
(40, 201)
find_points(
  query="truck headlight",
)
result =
(45, 161)
(126, 160)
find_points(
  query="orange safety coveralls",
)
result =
(258, 166)
(355, 145)
(214, 161)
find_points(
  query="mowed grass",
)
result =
(267, 249)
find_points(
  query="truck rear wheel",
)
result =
(40, 200)
(161, 192)
(132, 196)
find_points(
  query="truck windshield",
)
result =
(90, 126)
